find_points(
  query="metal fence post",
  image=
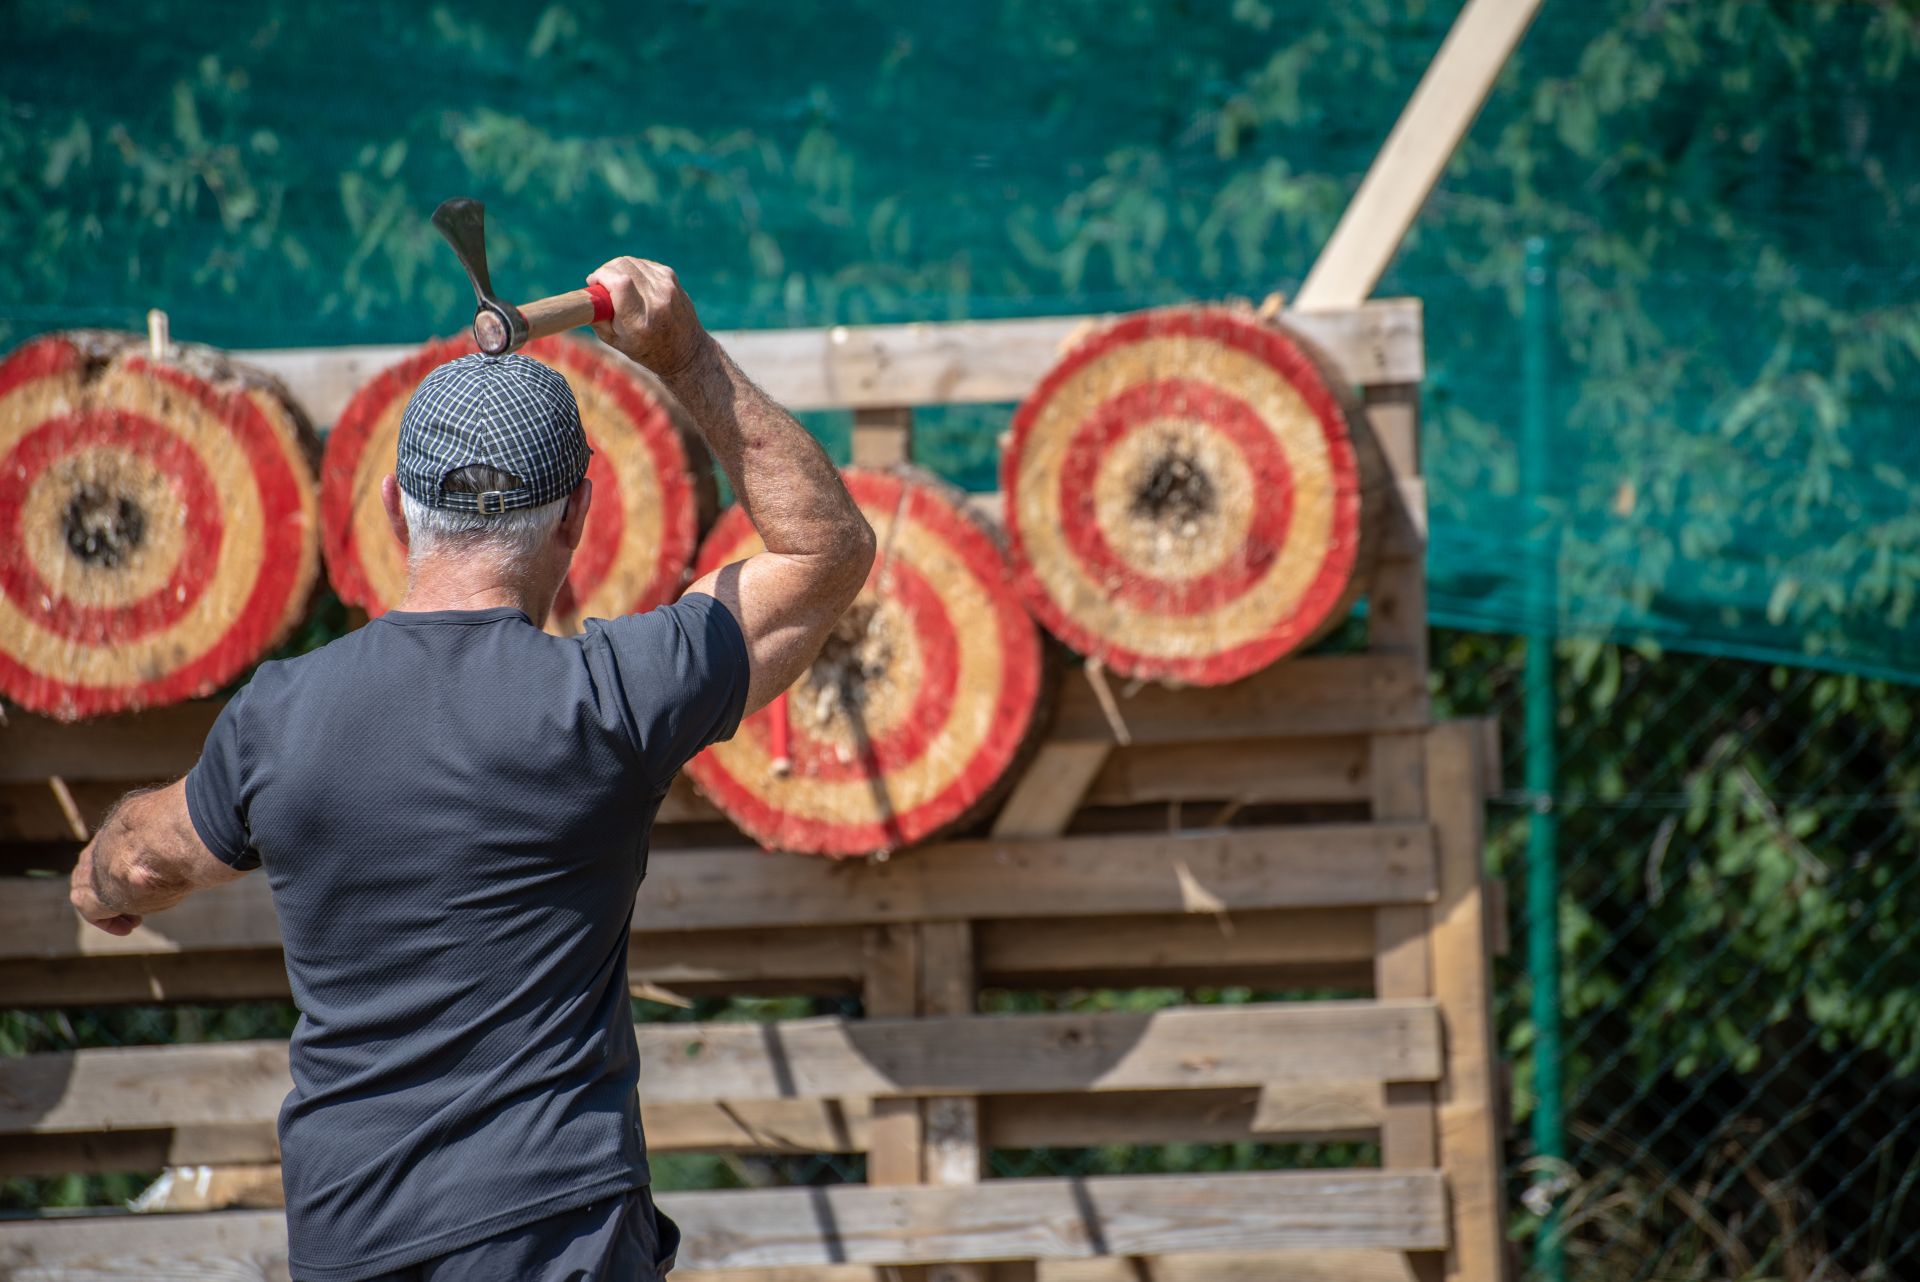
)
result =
(1543, 826)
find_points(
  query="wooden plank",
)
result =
(1469, 1114)
(1065, 948)
(1290, 1266)
(1332, 865)
(1410, 163)
(1179, 1048)
(1251, 771)
(146, 746)
(1119, 1216)
(1043, 803)
(1304, 1110)
(1397, 625)
(1316, 695)
(882, 436)
(806, 960)
(965, 362)
(1333, 1265)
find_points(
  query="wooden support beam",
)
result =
(851, 367)
(1043, 803)
(239, 1084)
(1470, 1106)
(1273, 948)
(1252, 771)
(897, 1138)
(1312, 1109)
(1210, 872)
(837, 1225)
(1407, 167)
(882, 436)
(1313, 696)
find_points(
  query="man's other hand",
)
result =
(85, 902)
(653, 323)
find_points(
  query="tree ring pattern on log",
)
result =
(1185, 496)
(920, 703)
(159, 529)
(641, 530)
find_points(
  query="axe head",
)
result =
(498, 326)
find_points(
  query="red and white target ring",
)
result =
(1185, 496)
(642, 527)
(158, 525)
(919, 705)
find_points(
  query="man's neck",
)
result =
(443, 584)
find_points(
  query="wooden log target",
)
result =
(651, 486)
(159, 530)
(1187, 495)
(921, 703)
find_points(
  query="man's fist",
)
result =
(653, 323)
(85, 902)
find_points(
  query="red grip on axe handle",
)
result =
(780, 736)
(602, 302)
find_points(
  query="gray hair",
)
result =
(509, 539)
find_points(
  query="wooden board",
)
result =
(1316, 695)
(1180, 1048)
(1307, 1109)
(1310, 697)
(1252, 771)
(1469, 1111)
(855, 1224)
(851, 367)
(1332, 865)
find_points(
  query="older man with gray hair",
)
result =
(453, 809)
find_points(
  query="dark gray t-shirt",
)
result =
(453, 810)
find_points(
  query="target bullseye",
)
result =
(158, 523)
(920, 704)
(1186, 496)
(647, 495)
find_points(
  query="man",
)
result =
(453, 810)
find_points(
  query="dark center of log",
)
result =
(855, 656)
(103, 528)
(1174, 491)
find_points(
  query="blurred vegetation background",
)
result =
(1727, 190)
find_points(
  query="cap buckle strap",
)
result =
(491, 503)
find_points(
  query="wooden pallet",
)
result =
(1304, 829)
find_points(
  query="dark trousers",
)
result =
(616, 1239)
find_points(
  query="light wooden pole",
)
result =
(1424, 139)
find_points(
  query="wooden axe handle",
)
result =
(563, 312)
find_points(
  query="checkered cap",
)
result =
(506, 412)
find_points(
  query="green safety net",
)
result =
(1726, 189)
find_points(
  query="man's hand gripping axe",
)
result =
(498, 326)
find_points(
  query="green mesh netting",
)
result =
(1729, 187)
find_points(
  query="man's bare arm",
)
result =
(819, 547)
(145, 858)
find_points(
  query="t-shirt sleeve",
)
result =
(682, 674)
(216, 791)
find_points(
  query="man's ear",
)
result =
(573, 521)
(396, 514)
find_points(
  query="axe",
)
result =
(498, 326)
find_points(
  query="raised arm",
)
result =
(819, 547)
(145, 858)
